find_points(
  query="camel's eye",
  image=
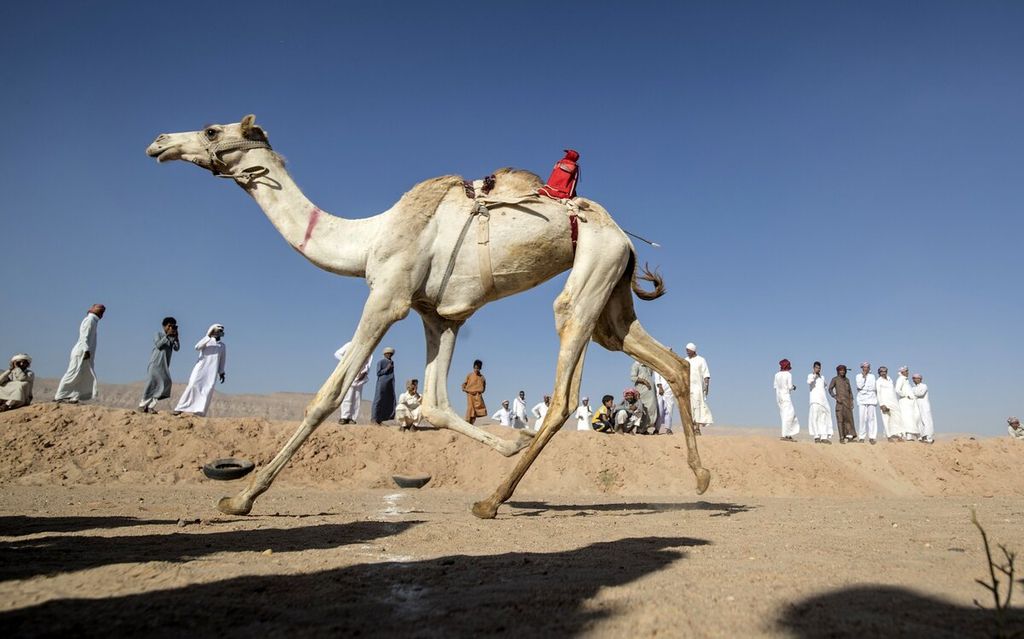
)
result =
(211, 133)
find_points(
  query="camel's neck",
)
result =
(332, 243)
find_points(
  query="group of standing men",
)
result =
(647, 407)
(905, 406)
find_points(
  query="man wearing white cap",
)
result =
(383, 407)
(504, 415)
(583, 414)
(700, 386)
(867, 404)
(213, 358)
(1014, 428)
(889, 404)
(16, 383)
(924, 410)
(908, 404)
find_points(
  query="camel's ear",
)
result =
(252, 131)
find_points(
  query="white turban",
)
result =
(214, 327)
(690, 346)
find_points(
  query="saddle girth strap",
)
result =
(483, 240)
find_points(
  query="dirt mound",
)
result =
(48, 444)
(283, 406)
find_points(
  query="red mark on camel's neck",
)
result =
(314, 217)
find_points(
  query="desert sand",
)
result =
(107, 526)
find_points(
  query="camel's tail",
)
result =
(647, 275)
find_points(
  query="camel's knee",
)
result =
(434, 415)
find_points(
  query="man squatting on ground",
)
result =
(16, 383)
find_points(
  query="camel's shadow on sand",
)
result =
(519, 593)
(15, 525)
(889, 611)
(24, 558)
(535, 508)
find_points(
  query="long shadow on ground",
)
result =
(21, 525)
(522, 594)
(887, 611)
(721, 509)
(55, 554)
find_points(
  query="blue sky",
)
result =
(829, 180)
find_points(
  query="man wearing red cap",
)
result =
(783, 387)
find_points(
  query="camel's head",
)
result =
(217, 147)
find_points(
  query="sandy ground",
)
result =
(107, 527)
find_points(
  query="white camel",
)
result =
(419, 255)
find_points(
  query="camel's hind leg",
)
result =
(619, 330)
(379, 314)
(441, 334)
(576, 312)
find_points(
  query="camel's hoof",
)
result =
(234, 506)
(703, 479)
(485, 510)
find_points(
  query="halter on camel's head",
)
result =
(209, 147)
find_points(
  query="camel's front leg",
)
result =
(378, 316)
(441, 335)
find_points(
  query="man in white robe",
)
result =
(583, 414)
(16, 383)
(213, 355)
(79, 382)
(520, 419)
(666, 403)
(539, 411)
(889, 404)
(504, 415)
(700, 386)
(787, 412)
(924, 410)
(867, 404)
(407, 409)
(353, 399)
(908, 405)
(819, 422)
(1014, 429)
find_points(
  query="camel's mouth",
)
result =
(164, 149)
(164, 155)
